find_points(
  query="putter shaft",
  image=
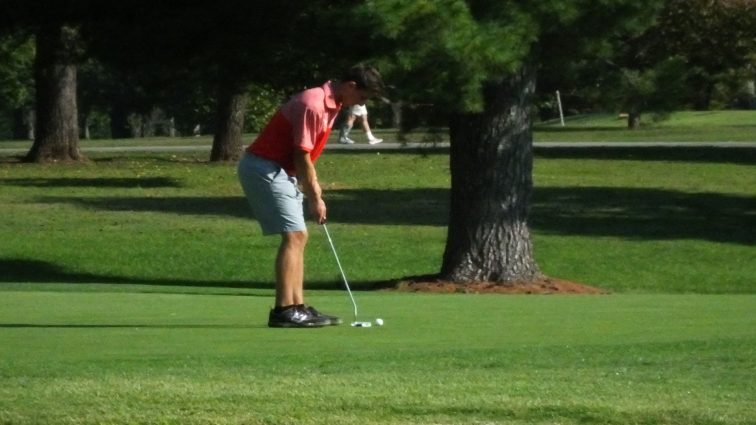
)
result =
(343, 276)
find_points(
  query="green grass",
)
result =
(179, 221)
(79, 357)
(136, 142)
(134, 289)
(682, 126)
(687, 126)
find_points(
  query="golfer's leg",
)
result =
(290, 268)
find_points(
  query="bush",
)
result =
(263, 102)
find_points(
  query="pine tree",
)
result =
(477, 62)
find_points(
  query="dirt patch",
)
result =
(546, 285)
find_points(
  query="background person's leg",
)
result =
(346, 127)
(366, 126)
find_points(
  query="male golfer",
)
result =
(278, 163)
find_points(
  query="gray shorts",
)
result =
(273, 195)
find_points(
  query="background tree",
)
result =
(55, 66)
(17, 82)
(691, 47)
(222, 51)
(714, 38)
(57, 52)
(691, 51)
(477, 61)
(241, 58)
(145, 52)
(658, 89)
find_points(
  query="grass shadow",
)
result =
(634, 213)
(575, 129)
(420, 207)
(644, 214)
(124, 326)
(695, 154)
(227, 206)
(551, 413)
(99, 182)
(729, 155)
(183, 157)
(24, 270)
(410, 207)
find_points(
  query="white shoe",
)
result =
(374, 141)
(346, 141)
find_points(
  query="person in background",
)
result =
(357, 111)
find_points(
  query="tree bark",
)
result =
(57, 128)
(20, 128)
(227, 141)
(633, 120)
(491, 169)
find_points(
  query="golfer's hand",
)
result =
(318, 208)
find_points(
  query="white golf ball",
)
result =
(379, 322)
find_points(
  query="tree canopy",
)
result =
(143, 54)
(477, 63)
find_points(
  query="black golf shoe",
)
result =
(332, 320)
(295, 317)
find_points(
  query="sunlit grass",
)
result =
(681, 126)
(107, 357)
(687, 126)
(135, 289)
(177, 219)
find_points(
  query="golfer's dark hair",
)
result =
(366, 78)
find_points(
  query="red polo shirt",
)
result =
(303, 124)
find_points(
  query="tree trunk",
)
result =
(57, 128)
(31, 123)
(491, 168)
(119, 121)
(171, 127)
(227, 142)
(396, 114)
(633, 120)
(703, 97)
(85, 127)
(20, 128)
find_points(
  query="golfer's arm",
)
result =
(307, 177)
(310, 186)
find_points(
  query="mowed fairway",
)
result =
(135, 289)
(179, 358)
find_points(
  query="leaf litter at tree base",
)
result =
(542, 286)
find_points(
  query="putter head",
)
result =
(362, 324)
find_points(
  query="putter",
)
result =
(356, 323)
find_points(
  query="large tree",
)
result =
(58, 49)
(220, 49)
(692, 50)
(284, 45)
(57, 122)
(713, 37)
(477, 61)
(150, 56)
